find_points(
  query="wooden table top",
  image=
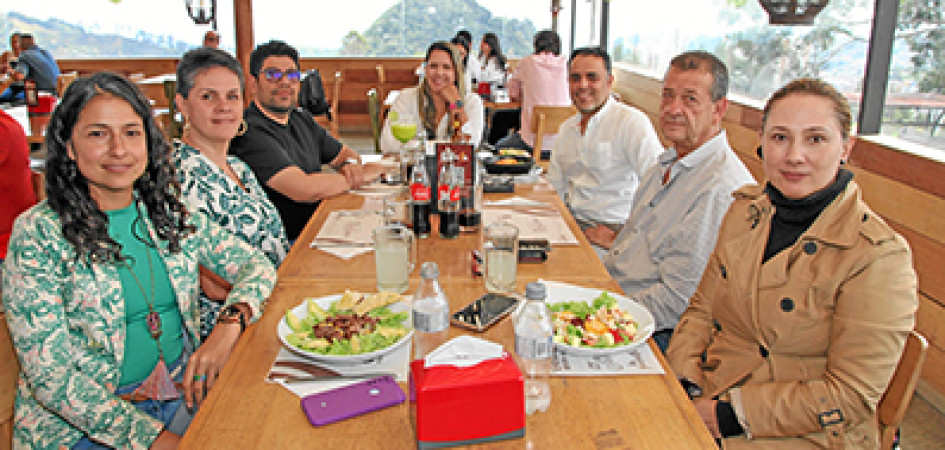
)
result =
(243, 411)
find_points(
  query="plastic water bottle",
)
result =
(431, 312)
(533, 337)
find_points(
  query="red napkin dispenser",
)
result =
(453, 406)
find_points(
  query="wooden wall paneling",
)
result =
(928, 257)
(915, 209)
(914, 170)
(126, 66)
(930, 320)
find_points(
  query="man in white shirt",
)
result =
(602, 152)
(660, 254)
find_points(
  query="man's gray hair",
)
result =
(707, 62)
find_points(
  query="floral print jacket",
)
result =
(67, 320)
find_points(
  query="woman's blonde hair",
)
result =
(819, 88)
(427, 108)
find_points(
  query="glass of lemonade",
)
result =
(395, 255)
(500, 255)
(403, 130)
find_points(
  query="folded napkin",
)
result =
(463, 351)
(515, 201)
(289, 364)
(348, 227)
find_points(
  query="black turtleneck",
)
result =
(792, 217)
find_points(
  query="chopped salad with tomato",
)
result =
(601, 324)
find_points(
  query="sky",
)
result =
(300, 22)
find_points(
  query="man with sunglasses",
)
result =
(285, 147)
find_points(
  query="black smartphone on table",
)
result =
(484, 312)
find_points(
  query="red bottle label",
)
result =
(443, 191)
(454, 195)
(419, 192)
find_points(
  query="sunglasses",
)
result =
(276, 74)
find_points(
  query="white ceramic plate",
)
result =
(301, 311)
(562, 292)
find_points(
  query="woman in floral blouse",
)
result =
(100, 283)
(210, 97)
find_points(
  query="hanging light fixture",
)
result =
(792, 12)
(202, 13)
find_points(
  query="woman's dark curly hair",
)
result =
(67, 190)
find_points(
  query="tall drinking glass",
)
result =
(395, 254)
(403, 129)
(500, 254)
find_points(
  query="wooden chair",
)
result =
(39, 184)
(335, 98)
(63, 81)
(895, 402)
(547, 120)
(9, 374)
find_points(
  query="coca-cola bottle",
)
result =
(448, 193)
(420, 194)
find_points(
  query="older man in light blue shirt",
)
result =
(660, 253)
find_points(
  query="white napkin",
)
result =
(515, 201)
(353, 226)
(463, 351)
(396, 362)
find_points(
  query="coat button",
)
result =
(810, 248)
(865, 217)
(717, 325)
(787, 305)
(763, 351)
(724, 272)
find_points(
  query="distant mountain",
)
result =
(409, 27)
(65, 40)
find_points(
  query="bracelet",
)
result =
(456, 105)
(346, 162)
(232, 314)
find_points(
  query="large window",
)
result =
(762, 57)
(397, 27)
(110, 28)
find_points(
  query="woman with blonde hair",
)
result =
(440, 103)
(804, 308)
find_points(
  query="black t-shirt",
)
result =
(268, 147)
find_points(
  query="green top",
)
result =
(141, 352)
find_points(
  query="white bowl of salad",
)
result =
(592, 321)
(349, 328)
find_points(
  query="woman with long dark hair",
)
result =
(491, 63)
(100, 283)
(440, 102)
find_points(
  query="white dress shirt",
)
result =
(660, 254)
(597, 173)
(407, 107)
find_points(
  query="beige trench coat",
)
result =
(805, 343)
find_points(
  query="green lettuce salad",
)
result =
(341, 332)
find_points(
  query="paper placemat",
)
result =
(396, 362)
(639, 361)
(533, 223)
(346, 234)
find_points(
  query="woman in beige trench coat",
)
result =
(804, 308)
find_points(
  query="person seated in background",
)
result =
(439, 103)
(807, 301)
(490, 66)
(100, 283)
(286, 148)
(662, 249)
(210, 99)
(211, 39)
(15, 180)
(462, 45)
(8, 58)
(603, 151)
(34, 64)
(539, 79)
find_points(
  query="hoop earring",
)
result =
(242, 129)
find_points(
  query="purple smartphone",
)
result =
(352, 400)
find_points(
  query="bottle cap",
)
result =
(429, 270)
(535, 291)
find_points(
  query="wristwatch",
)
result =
(232, 314)
(346, 162)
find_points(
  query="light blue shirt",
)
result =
(659, 255)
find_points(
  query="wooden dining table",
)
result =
(243, 410)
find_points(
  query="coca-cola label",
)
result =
(420, 192)
(443, 191)
(454, 195)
